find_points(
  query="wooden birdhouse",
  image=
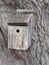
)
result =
(20, 31)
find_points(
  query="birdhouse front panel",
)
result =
(17, 37)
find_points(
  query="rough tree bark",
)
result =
(38, 53)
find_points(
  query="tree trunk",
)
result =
(38, 53)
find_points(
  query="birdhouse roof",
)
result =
(20, 18)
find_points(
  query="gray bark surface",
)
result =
(39, 51)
